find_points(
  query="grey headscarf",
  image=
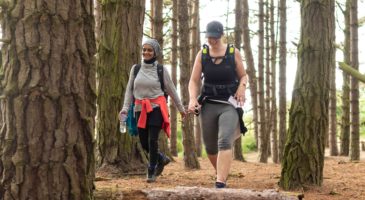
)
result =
(154, 43)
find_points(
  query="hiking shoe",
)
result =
(162, 162)
(151, 177)
(220, 185)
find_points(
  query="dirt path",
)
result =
(342, 179)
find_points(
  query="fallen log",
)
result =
(187, 193)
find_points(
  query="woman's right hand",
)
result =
(122, 112)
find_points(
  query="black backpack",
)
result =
(159, 74)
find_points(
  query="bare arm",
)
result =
(195, 82)
(242, 75)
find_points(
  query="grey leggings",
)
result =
(219, 123)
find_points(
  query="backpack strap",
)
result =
(160, 76)
(205, 55)
(136, 69)
(230, 56)
(161, 79)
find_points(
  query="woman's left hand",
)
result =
(240, 95)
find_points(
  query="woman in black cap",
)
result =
(223, 90)
(150, 105)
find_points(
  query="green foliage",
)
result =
(249, 142)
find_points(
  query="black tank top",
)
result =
(222, 76)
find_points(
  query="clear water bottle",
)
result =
(123, 123)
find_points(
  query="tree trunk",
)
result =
(355, 118)
(157, 24)
(274, 110)
(173, 111)
(195, 46)
(267, 79)
(282, 79)
(332, 112)
(345, 118)
(263, 142)
(48, 94)
(251, 71)
(119, 49)
(308, 117)
(237, 154)
(190, 157)
(211, 193)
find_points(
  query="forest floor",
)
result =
(343, 179)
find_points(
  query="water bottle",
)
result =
(123, 123)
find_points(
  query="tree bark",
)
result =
(119, 48)
(237, 154)
(195, 46)
(345, 118)
(263, 142)
(274, 110)
(282, 79)
(213, 194)
(190, 157)
(251, 71)
(354, 99)
(48, 93)
(173, 111)
(308, 117)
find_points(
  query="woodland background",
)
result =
(65, 66)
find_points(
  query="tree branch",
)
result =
(353, 72)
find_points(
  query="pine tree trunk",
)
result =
(345, 118)
(332, 112)
(48, 94)
(274, 129)
(263, 142)
(308, 117)
(190, 157)
(119, 49)
(237, 154)
(355, 118)
(282, 79)
(195, 46)
(173, 111)
(251, 71)
(267, 79)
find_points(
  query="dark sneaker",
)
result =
(220, 185)
(162, 162)
(151, 177)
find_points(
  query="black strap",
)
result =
(160, 76)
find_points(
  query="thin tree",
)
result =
(48, 98)
(263, 141)
(190, 157)
(195, 46)
(173, 111)
(354, 99)
(345, 118)
(157, 23)
(274, 110)
(303, 159)
(118, 50)
(332, 112)
(267, 79)
(251, 71)
(282, 78)
(238, 40)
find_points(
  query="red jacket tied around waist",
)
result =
(147, 108)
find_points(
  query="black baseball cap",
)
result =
(214, 29)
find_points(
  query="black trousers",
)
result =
(149, 136)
